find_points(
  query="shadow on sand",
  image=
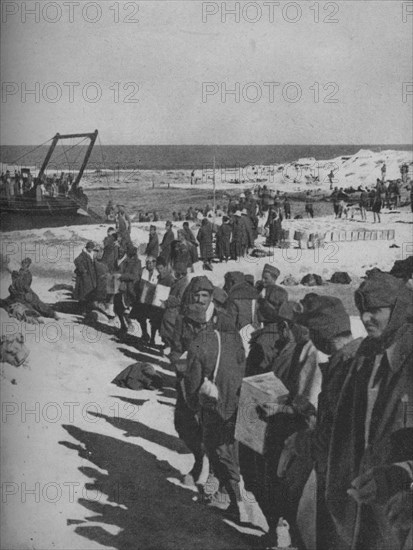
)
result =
(150, 512)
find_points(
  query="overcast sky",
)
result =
(171, 49)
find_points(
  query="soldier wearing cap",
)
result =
(223, 240)
(141, 312)
(152, 248)
(264, 341)
(239, 236)
(284, 348)
(330, 330)
(124, 227)
(251, 206)
(130, 275)
(199, 291)
(173, 304)
(370, 458)
(85, 271)
(205, 237)
(242, 305)
(166, 243)
(245, 220)
(216, 354)
(272, 295)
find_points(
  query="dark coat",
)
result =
(269, 306)
(205, 241)
(251, 206)
(21, 291)
(110, 253)
(366, 526)
(85, 276)
(131, 270)
(102, 276)
(166, 244)
(224, 241)
(239, 237)
(241, 304)
(181, 253)
(172, 306)
(193, 244)
(152, 248)
(167, 280)
(263, 349)
(202, 358)
(249, 230)
(190, 237)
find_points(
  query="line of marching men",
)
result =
(347, 423)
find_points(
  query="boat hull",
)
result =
(27, 213)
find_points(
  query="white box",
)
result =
(256, 390)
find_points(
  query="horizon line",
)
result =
(229, 145)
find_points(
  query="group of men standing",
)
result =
(347, 422)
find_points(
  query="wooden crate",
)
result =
(256, 390)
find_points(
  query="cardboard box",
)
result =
(257, 390)
(160, 295)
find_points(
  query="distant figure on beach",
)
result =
(123, 226)
(223, 243)
(111, 249)
(130, 275)
(85, 276)
(274, 225)
(309, 209)
(167, 240)
(190, 215)
(287, 207)
(141, 311)
(190, 237)
(9, 186)
(336, 201)
(331, 178)
(21, 291)
(40, 191)
(404, 171)
(181, 253)
(377, 207)
(110, 212)
(383, 172)
(205, 241)
(152, 248)
(363, 203)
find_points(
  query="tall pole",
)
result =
(213, 183)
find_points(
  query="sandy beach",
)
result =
(90, 465)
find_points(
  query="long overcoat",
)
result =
(85, 276)
(366, 526)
